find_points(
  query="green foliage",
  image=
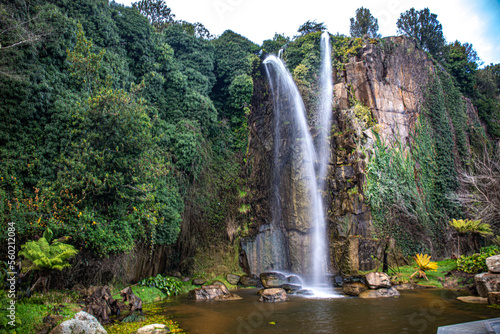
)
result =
(171, 286)
(275, 44)
(44, 255)
(364, 24)
(464, 226)
(156, 11)
(461, 62)
(476, 263)
(343, 48)
(310, 27)
(424, 27)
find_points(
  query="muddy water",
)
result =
(417, 311)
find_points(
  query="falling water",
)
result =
(287, 101)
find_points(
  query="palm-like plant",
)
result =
(43, 256)
(423, 264)
(474, 228)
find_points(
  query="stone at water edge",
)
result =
(291, 288)
(473, 300)
(272, 279)
(199, 281)
(233, 279)
(246, 281)
(380, 293)
(494, 298)
(217, 291)
(354, 288)
(493, 263)
(294, 279)
(153, 329)
(378, 280)
(220, 285)
(273, 295)
(82, 323)
(486, 283)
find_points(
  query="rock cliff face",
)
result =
(390, 78)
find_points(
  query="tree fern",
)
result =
(41, 255)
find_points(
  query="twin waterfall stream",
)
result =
(310, 160)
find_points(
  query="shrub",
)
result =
(476, 263)
(170, 286)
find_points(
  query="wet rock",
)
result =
(354, 288)
(217, 291)
(186, 279)
(82, 323)
(246, 281)
(339, 281)
(273, 295)
(153, 329)
(380, 293)
(473, 300)
(291, 288)
(486, 283)
(294, 279)
(273, 280)
(305, 292)
(227, 297)
(404, 286)
(494, 298)
(493, 263)
(199, 281)
(378, 280)
(233, 279)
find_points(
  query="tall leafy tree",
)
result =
(364, 24)
(424, 27)
(311, 26)
(157, 12)
(461, 60)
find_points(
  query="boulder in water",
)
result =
(82, 323)
(380, 293)
(247, 281)
(294, 279)
(486, 283)
(218, 292)
(493, 263)
(273, 295)
(291, 288)
(378, 280)
(273, 280)
(305, 292)
(354, 288)
(233, 279)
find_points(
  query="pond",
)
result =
(416, 311)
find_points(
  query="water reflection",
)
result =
(418, 311)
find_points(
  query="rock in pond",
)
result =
(247, 281)
(233, 279)
(354, 288)
(82, 323)
(273, 280)
(493, 263)
(199, 281)
(294, 279)
(153, 329)
(305, 292)
(380, 293)
(378, 280)
(218, 292)
(473, 300)
(486, 283)
(291, 288)
(273, 295)
(494, 298)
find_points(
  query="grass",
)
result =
(444, 267)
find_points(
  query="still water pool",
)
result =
(416, 311)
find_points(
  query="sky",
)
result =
(472, 21)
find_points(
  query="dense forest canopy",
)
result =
(123, 125)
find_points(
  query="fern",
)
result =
(41, 255)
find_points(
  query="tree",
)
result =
(424, 27)
(311, 26)
(364, 23)
(157, 12)
(44, 256)
(461, 61)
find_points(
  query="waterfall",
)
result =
(289, 107)
(319, 260)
